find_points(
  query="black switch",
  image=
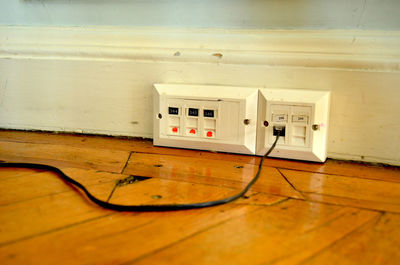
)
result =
(193, 112)
(173, 111)
(209, 113)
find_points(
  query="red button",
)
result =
(209, 134)
(175, 130)
(192, 131)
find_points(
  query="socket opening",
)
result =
(280, 129)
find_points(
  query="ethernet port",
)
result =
(280, 129)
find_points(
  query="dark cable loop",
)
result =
(145, 207)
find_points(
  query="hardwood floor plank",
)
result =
(286, 234)
(376, 242)
(75, 140)
(62, 155)
(164, 191)
(118, 238)
(206, 171)
(261, 199)
(25, 187)
(13, 172)
(43, 202)
(345, 168)
(336, 167)
(37, 184)
(43, 214)
(358, 192)
(335, 216)
(362, 204)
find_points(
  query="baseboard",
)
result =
(99, 80)
(346, 49)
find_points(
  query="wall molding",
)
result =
(341, 49)
(99, 80)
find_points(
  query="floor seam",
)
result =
(293, 187)
(272, 166)
(349, 198)
(117, 183)
(126, 163)
(338, 175)
(112, 192)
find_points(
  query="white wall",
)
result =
(95, 73)
(254, 14)
(99, 80)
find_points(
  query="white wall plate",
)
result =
(218, 118)
(303, 114)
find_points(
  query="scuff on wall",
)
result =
(218, 55)
(362, 13)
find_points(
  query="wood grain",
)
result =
(207, 171)
(34, 184)
(118, 238)
(164, 191)
(365, 245)
(12, 172)
(336, 167)
(297, 213)
(64, 155)
(358, 192)
(45, 214)
(284, 234)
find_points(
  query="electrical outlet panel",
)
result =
(301, 117)
(217, 118)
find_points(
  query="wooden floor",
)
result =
(297, 213)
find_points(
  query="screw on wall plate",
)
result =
(246, 121)
(266, 123)
(159, 116)
(315, 127)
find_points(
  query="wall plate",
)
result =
(218, 118)
(304, 116)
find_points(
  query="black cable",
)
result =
(145, 207)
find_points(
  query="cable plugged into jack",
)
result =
(279, 130)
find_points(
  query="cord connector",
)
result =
(281, 130)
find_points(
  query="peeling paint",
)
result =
(3, 93)
(218, 55)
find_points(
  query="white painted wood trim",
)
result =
(99, 80)
(343, 49)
